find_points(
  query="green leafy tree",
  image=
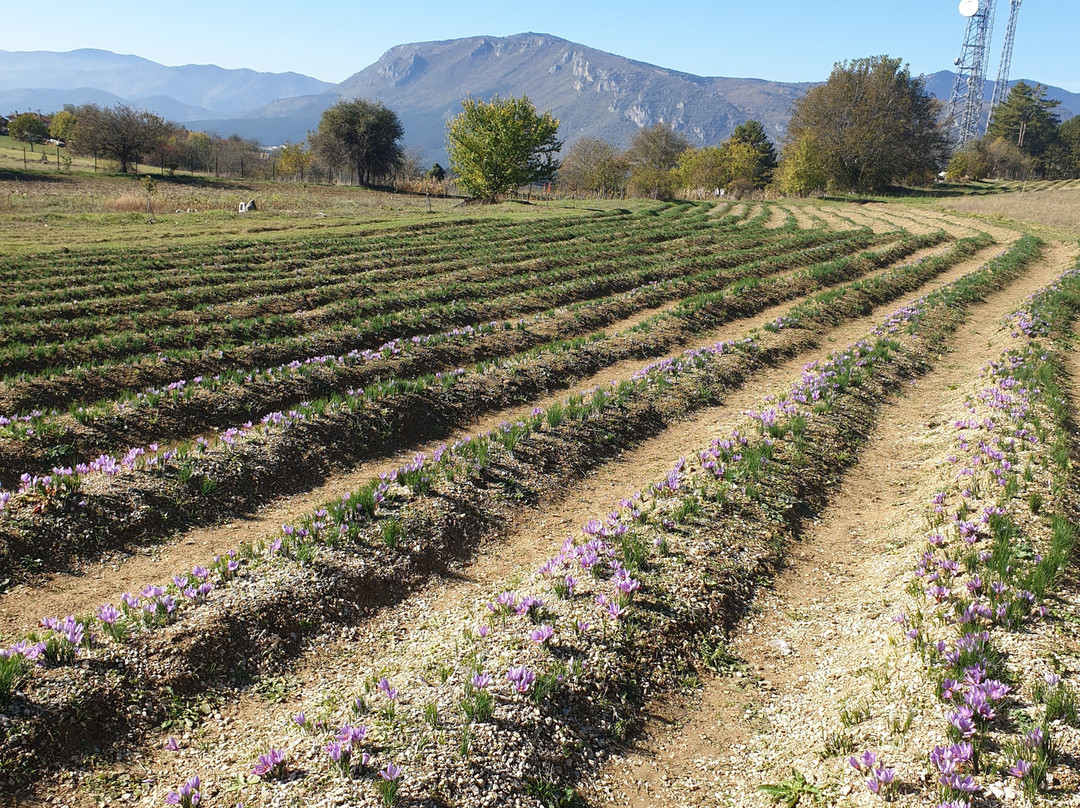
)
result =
(594, 166)
(873, 125)
(970, 163)
(500, 145)
(62, 126)
(653, 155)
(364, 135)
(120, 133)
(28, 128)
(804, 169)
(1006, 160)
(702, 169)
(198, 151)
(752, 134)
(1026, 119)
(294, 160)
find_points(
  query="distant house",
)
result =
(45, 119)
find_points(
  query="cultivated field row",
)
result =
(340, 646)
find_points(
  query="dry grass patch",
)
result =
(1056, 207)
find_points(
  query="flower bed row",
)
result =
(60, 514)
(164, 416)
(524, 696)
(37, 346)
(360, 332)
(336, 292)
(360, 337)
(374, 251)
(1000, 534)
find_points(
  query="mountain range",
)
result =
(593, 93)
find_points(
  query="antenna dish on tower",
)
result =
(969, 8)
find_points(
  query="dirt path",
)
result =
(777, 217)
(804, 220)
(23, 606)
(813, 643)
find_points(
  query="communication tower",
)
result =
(966, 101)
(1001, 86)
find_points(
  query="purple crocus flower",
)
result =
(108, 614)
(963, 720)
(73, 631)
(481, 681)
(352, 734)
(864, 762)
(269, 764)
(960, 782)
(387, 689)
(542, 634)
(187, 796)
(390, 772)
(172, 744)
(880, 782)
(1020, 769)
(521, 677)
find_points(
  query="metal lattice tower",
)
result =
(966, 101)
(1001, 86)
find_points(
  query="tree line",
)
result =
(870, 126)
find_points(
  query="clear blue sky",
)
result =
(796, 40)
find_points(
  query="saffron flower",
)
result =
(881, 781)
(351, 734)
(521, 678)
(172, 744)
(542, 634)
(272, 764)
(187, 796)
(387, 689)
(1020, 769)
(339, 754)
(389, 783)
(864, 762)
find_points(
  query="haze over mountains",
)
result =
(592, 92)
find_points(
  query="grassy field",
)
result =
(1055, 206)
(353, 501)
(49, 210)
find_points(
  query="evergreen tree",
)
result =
(1027, 120)
(752, 134)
